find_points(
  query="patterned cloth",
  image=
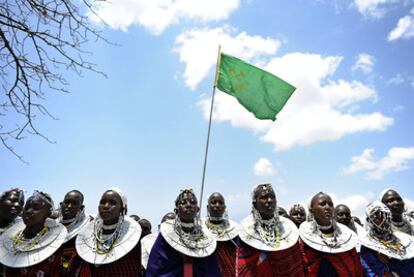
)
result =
(378, 265)
(345, 264)
(69, 261)
(227, 255)
(165, 261)
(47, 268)
(252, 262)
(129, 265)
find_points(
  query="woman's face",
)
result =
(322, 209)
(297, 215)
(110, 207)
(187, 208)
(394, 202)
(71, 205)
(10, 206)
(343, 214)
(35, 212)
(266, 202)
(216, 205)
(381, 221)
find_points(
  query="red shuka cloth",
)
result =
(47, 268)
(346, 264)
(227, 255)
(284, 263)
(129, 265)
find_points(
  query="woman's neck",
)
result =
(187, 225)
(266, 216)
(31, 231)
(325, 229)
(217, 220)
(110, 226)
(397, 217)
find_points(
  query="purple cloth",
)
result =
(374, 267)
(165, 261)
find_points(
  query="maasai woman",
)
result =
(343, 215)
(109, 243)
(72, 216)
(28, 247)
(184, 247)
(145, 227)
(11, 206)
(385, 252)
(225, 231)
(400, 221)
(297, 214)
(329, 246)
(282, 212)
(268, 243)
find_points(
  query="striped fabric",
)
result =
(346, 264)
(252, 262)
(226, 253)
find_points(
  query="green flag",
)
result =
(259, 91)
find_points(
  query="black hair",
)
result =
(215, 193)
(15, 190)
(260, 188)
(181, 196)
(169, 215)
(144, 221)
(312, 202)
(78, 192)
(42, 197)
(342, 205)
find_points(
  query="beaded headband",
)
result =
(43, 197)
(371, 213)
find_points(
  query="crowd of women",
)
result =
(321, 240)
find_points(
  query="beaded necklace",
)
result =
(269, 230)
(331, 239)
(393, 244)
(218, 229)
(105, 243)
(20, 244)
(194, 239)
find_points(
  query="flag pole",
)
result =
(209, 127)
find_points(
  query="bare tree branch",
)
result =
(38, 38)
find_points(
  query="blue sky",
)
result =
(347, 130)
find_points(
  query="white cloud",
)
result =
(398, 108)
(198, 49)
(156, 15)
(364, 62)
(374, 8)
(404, 28)
(396, 80)
(321, 109)
(396, 160)
(264, 168)
(356, 203)
(409, 204)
